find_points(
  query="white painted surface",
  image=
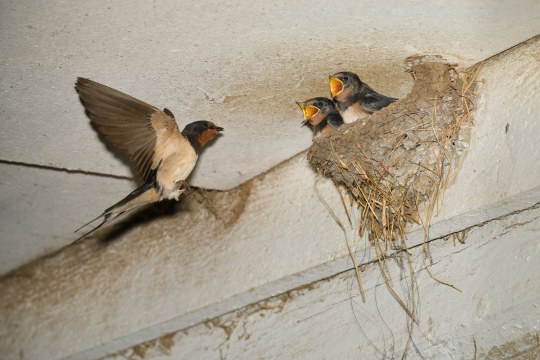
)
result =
(497, 270)
(504, 157)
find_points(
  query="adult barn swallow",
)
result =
(159, 153)
(321, 114)
(354, 99)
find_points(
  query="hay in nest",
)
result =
(400, 157)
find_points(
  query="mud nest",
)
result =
(396, 162)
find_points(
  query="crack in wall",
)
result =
(65, 170)
(133, 178)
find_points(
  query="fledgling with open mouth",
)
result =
(354, 99)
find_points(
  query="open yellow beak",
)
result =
(308, 110)
(336, 86)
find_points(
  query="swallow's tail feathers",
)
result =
(145, 194)
(107, 217)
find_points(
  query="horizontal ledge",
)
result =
(477, 218)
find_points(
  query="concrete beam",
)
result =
(266, 237)
(328, 320)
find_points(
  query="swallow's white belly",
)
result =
(177, 166)
(353, 113)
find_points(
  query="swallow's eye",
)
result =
(320, 104)
(345, 78)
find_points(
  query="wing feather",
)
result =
(127, 123)
(374, 101)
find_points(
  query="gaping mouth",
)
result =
(336, 86)
(308, 110)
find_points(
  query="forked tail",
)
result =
(145, 194)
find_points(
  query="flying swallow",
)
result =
(159, 153)
(354, 99)
(321, 114)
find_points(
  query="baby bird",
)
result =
(354, 99)
(321, 114)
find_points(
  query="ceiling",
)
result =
(241, 64)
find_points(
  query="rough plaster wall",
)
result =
(503, 157)
(328, 320)
(169, 274)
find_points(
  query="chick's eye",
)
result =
(320, 104)
(345, 78)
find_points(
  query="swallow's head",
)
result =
(201, 133)
(316, 110)
(343, 84)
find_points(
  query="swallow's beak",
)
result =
(308, 110)
(302, 106)
(215, 127)
(336, 86)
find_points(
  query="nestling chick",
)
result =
(321, 115)
(354, 99)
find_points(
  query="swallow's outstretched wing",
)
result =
(129, 124)
(160, 154)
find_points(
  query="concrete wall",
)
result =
(495, 316)
(273, 235)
